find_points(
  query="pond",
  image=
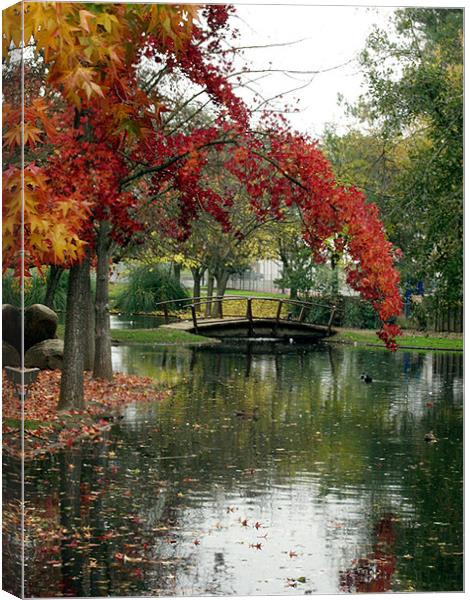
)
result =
(125, 321)
(273, 469)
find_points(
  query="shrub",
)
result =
(350, 312)
(147, 285)
(358, 314)
(34, 290)
(319, 314)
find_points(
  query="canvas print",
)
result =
(232, 298)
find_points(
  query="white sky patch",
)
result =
(330, 36)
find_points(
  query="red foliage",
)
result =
(374, 572)
(109, 157)
(292, 171)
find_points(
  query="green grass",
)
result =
(152, 336)
(158, 336)
(408, 340)
(256, 294)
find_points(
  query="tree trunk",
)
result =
(177, 272)
(222, 280)
(90, 330)
(210, 291)
(102, 368)
(197, 273)
(334, 282)
(71, 383)
(53, 279)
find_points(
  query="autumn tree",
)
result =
(93, 165)
(107, 142)
(336, 220)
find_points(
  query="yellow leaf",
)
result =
(85, 17)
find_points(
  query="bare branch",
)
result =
(280, 44)
(292, 71)
(291, 91)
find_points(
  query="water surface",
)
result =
(271, 470)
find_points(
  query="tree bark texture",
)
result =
(53, 279)
(197, 273)
(222, 280)
(210, 291)
(71, 383)
(103, 368)
(90, 329)
(177, 272)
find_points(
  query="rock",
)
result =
(11, 326)
(48, 354)
(40, 323)
(10, 355)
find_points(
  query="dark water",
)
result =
(330, 488)
(123, 321)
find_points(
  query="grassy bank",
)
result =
(158, 336)
(410, 339)
(151, 336)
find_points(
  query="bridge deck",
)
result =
(284, 326)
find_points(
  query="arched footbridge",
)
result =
(250, 317)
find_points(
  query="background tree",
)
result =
(415, 99)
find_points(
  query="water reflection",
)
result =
(123, 321)
(374, 572)
(331, 488)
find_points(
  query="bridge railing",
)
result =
(224, 307)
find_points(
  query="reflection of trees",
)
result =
(115, 517)
(12, 493)
(71, 559)
(11, 521)
(373, 573)
(315, 417)
(164, 365)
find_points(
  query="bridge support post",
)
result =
(165, 312)
(249, 316)
(302, 314)
(194, 316)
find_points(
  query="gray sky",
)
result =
(332, 35)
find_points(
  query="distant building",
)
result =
(259, 277)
